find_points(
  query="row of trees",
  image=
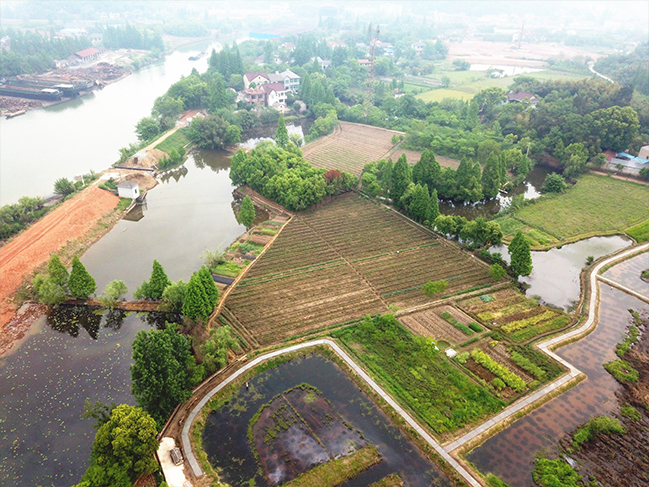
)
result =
(58, 285)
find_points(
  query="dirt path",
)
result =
(70, 221)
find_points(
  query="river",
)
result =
(70, 138)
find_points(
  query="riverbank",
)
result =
(68, 230)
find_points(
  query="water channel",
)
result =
(510, 453)
(225, 437)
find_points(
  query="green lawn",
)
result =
(466, 84)
(640, 232)
(174, 141)
(596, 205)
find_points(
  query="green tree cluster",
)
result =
(554, 183)
(213, 132)
(215, 349)
(80, 283)
(475, 233)
(123, 450)
(281, 134)
(155, 286)
(201, 296)
(164, 371)
(521, 257)
(13, 218)
(246, 214)
(284, 176)
(227, 61)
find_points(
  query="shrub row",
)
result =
(507, 376)
(543, 327)
(551, 368)
(527, 365)
(463, 328)
(475, 327)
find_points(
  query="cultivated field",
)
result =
(596, 205)
(429, 323)
(413, 157)
(350, 147)
(518, 318)
(340, 262)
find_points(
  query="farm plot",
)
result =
(429, 323)
(350, 147)
(519, 318)
(413, 157)
(340, 262)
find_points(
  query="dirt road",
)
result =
(70, 221)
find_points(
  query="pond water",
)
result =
(225, 437)
(555, 272)
(530, 187)
(507, 70)
(86, 133)
(267, 132)
(69, 357)
(627, 273)
(510, 453)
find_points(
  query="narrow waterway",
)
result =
(510, 454)
(86, 133)
(555, 272)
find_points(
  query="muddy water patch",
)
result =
(510, 453)
(225, 437)
(555, 273)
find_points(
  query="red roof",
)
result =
(91, 51)
(254, 74)
(268, 87)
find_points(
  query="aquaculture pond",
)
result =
(555, 273)
(70, 356)
(510, 453)
(307, 425)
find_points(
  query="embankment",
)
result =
(75, 219)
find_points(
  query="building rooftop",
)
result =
(91, 51)
(268, 87)
(128, 185)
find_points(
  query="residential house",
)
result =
(256, 77)
(336, 44)
(254, 96)
(324, 63)
(366, 63)
(95, 38)
(289, 78)
(521, 96)
(275, 94)
(418, 46)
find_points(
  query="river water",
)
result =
(510, 453)
(86, 133)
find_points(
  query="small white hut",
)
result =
(128, 189)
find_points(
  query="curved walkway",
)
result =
(443, 451)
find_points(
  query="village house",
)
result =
(275, 94)
(257, 77)
(418, 46)
(365, 63)
(288, 78)
(521, 96)
(88, 54)
(324, 63)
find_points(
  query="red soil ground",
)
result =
(70, 221)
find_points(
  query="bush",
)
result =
(64, 186)
(215, 349)
(173, 296)
(475, 327)
(595, 427)
(497, 272)
(555, 473)
(528, 366)
(81, 283)
(431, 288)
(554, 183)
(622, 371)
(463, 328)
(631, 412)
(462, 358)
(498, 383)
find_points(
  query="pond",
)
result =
(555, 272)
(530, 188)
(225, 438)
(510, 453)
(73, 357)
(267, 132)
(506, 70)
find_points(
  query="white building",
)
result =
(128, 189)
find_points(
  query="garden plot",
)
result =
(429, 323)
(350, 147)
(518, 318)
(340, 262)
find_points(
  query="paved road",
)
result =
(443, 451)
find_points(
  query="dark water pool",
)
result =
(225, 437)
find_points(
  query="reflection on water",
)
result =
(225, 439)
(216, 160)
(269, 134)
(530, 188)
(75, 355)
(510, 454)
(555, 273)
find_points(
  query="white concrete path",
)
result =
(445, 451)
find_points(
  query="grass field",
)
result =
(596, 205)
(175, 141)
(340, 262)
(465, 84)
(350, 147)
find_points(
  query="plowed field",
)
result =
(340, 262)
(350, 147)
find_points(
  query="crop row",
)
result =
(506, 375)
(543, 327)
(463, 328)
(526, 364)
(519, 325)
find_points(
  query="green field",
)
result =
(174, 141)
(466, 84)
(596, 205)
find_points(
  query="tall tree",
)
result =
(209, 286)
(81, 283)
(57, 271)
(158, 282)
(164, 371)
(521, 257)
(196, 304)
(434, 206)
(491, 176)
(416, 202)
(123, 449)
(427, 170)
(246, 214)
(281, 134)
(401, 179)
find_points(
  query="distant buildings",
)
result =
(88, 54)
(418, 46)
(269, 89)
(521, 96)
